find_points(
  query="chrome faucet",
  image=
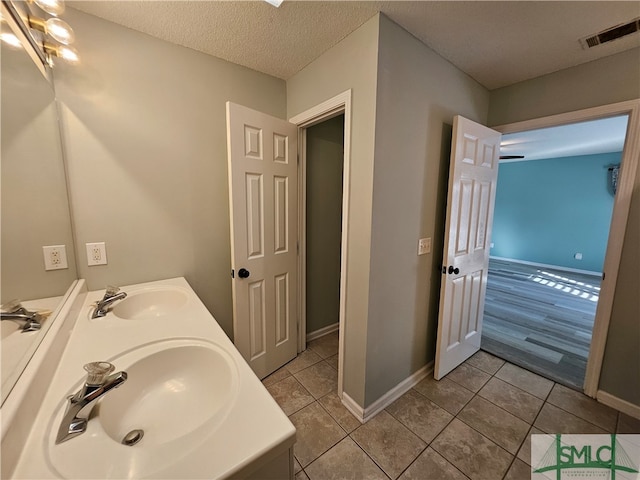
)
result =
(13, 310)
(79, 406)
(111, 295)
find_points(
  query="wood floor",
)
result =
(540, 319)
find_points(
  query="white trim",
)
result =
(302, 239)
(321, 332)
(619, 404)
(353, 406)
(366, 414)
(332, 107)
(619, 216)
(339, 104)
(547, 265)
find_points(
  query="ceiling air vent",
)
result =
(611, 34)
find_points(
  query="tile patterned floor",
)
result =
(475, 423)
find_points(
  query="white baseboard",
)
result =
(351, 405)
(619, 404)
(366, 414)
(546, 265)
(323, 331)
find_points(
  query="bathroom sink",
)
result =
(168, 394)
(176, 395)
(150, 303)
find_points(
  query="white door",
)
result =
(473, 177)
(263, 180)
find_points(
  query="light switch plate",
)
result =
(96, 254)
(424, 246)
(55, 257)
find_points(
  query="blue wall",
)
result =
(548, 210)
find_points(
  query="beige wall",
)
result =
(145, 134)
(352, 64)
(418, 95)
(325, 159)
(35, 210)
(601, 82)
(605, 81)
(398, 192)
(621, 366)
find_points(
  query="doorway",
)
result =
(324, 165)
(622, 202)
(338, 106)
(551, 225)
(267, 227)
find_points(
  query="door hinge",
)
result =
(233, 273)
(298, 248)
(298, 158)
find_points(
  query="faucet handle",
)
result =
(111, 291)
(97, 372)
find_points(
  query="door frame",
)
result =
(619, 216)
(340, 104)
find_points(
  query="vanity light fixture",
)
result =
(52, 7)
(64, 52)
(57, 29)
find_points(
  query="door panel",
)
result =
(472, 185)
(254, 214)
(263, 178)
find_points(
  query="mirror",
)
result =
(34, 203)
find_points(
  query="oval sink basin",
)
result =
(151, 303)
(168, 394)
(177, 393)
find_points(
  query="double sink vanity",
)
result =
(184, 403)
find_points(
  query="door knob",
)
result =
(244, 273)
(453, 270)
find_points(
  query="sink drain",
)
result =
(133, 437)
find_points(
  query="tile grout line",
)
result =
(477, 394)
(514, 456)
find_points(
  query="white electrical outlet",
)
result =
(424, 246)
(55, 257)
(96, 254)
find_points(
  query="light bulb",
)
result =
(69, 54)
(60, 31)
(10, 39)
(55, 28)
(52, 7)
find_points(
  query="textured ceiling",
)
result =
(496, 43)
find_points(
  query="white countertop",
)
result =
(253, 431)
